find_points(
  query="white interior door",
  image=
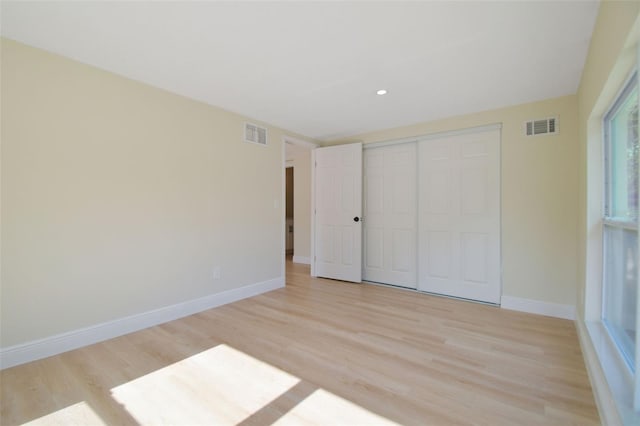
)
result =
(338, 210)
(390, 213)
(459, 216)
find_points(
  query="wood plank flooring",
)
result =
(318, 352)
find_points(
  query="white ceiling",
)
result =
(313, 67)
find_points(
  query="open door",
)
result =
(337, 224)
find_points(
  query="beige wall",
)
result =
(608, 63)
(115, 202)
(116, 197)
(539, 195)
(302, 204)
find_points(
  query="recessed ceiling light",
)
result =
(381, 92)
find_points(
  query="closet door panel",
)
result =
(459, 216)
(390, 218)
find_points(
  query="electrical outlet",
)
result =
(216, 272)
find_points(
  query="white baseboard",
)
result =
(538, 307)
(42, 348)
(301, 259)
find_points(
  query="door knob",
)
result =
(356, 219)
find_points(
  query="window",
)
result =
(620, 278)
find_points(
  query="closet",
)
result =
(431, 213)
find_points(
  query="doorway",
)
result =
(296, 202)
(289, 211)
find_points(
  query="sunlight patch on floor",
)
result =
(219, 386)
(78, 414)
(325, 408)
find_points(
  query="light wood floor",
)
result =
(318, 352)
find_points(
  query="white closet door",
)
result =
(459, 216)
(390, 215)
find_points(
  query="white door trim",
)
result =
(283, 194)
(312, 250)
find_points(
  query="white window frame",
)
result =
(630, 83)
(612, 371)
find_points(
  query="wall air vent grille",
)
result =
(255, 134)
(545, 126)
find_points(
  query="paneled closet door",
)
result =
(390, 215)
(459, 216)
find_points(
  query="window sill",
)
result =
(619, 377)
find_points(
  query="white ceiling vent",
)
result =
(545, 126)
(255, 134)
